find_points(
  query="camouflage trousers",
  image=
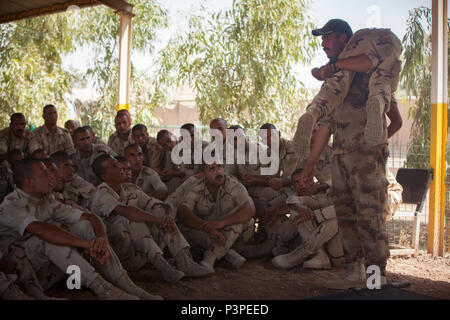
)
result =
(235, 235)
(360, 188)
(51, 261)
(23, 273)
(134, 242)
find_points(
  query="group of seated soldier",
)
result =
(125, 203)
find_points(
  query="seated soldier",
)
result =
(153, 152)
(30, 217)
(18, 280)
(16, 136)
(170, 173)
(122, 137)
(74, 189)
(221, 125)
(86, 152)
(6, 172)
(145, 178)
(191, 168)
(140, 226)
(94, 138)
(71, 125)
(126, 168)
(214, 213)
(50, 137)
(287, 233)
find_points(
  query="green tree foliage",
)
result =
(31, 72)
(240, 62)
(98, 28)
(30, 66)
(416, 80)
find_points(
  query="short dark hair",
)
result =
(48, 106)
(59, 157)
(268, 126)
(161, 133)
(121, 158)
(99, 165)
(219, 119)
(80, 130)
(24, 170)
(71, 120)
(139, 126)
(16, 115)
(188, 126)
(236, 127)
(134, 145)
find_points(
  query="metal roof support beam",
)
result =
(439, 96)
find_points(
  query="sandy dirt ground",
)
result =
(259, 280)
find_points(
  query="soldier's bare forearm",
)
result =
(135, 214)
(321, 138)
(189, 219)
(395, 117)
(55, 235)
(360, 63)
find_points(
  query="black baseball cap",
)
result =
(334, 25)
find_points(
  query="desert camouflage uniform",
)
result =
(83, 166)
(383, 48)
(177, 197)
(79, 191)
(149, 181)
(97, 140)
(395, 191)
(230, 197)
(6, 179)
(41, 138)
(133, 241)
(167, 164)
(117, 144)
(192, 168)
(23, 274)
(50, 261)
(8, 141)
(359, 178)
(153, 153)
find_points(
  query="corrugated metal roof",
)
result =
(11, 10)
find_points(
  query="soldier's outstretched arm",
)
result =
(55, 235)
(136, 214)
(189, 219)
(395, 117)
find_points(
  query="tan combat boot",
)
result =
(35, 291)
(354, 277)
(127, 285)
(292, 259)
(14, 293)
(106, 291)
(168, 272)
(319, 261)
(235, 259)
(191, 268)
(209, 259)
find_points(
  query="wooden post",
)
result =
(124, 60)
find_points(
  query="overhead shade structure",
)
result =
(13, 10)
(439, 96)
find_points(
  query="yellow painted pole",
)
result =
(124, 60)
(438, 127)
